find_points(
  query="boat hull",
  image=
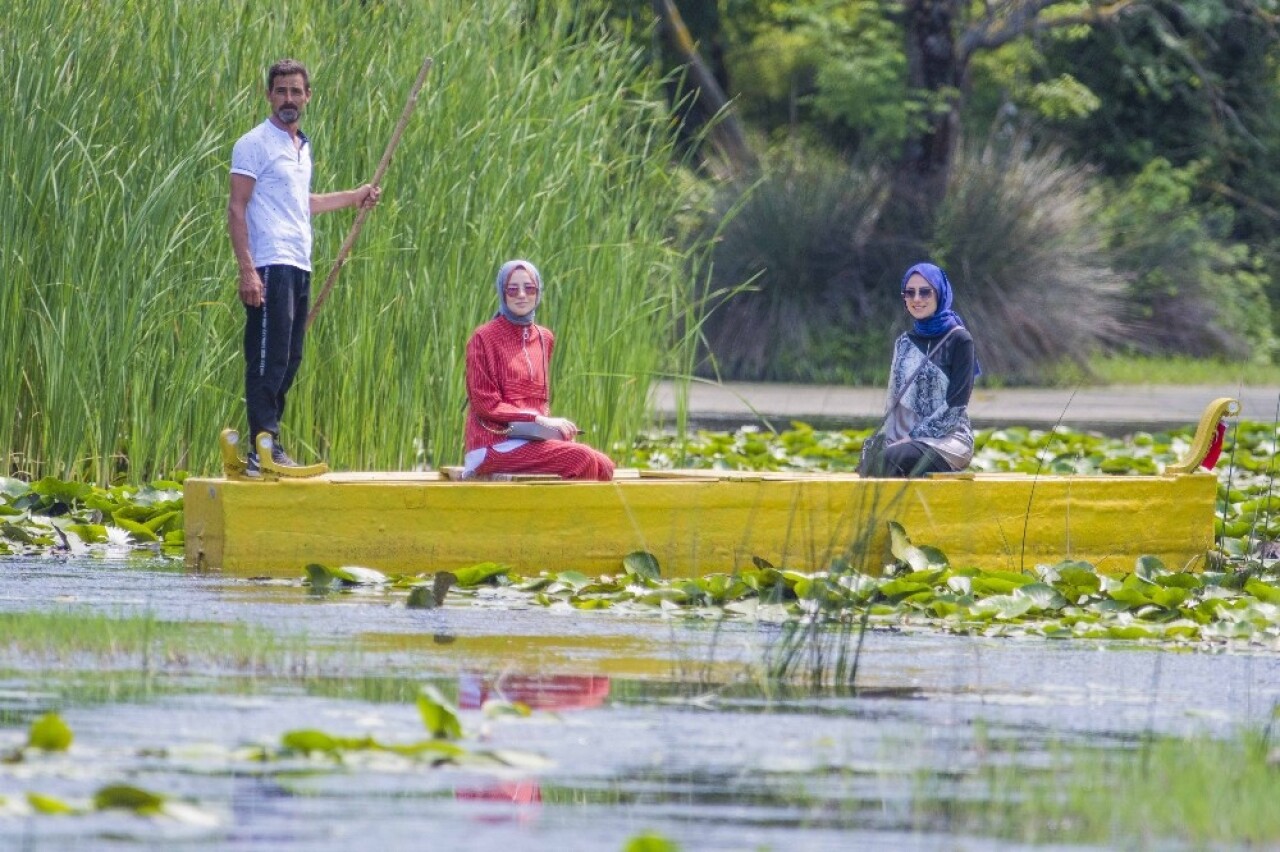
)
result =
(694, 523)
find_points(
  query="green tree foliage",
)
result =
(1191, 288)
(1177, 103)
(839, 66)
(1178, 80)
(1182, 111)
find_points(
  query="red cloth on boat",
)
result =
(1215, 446)
(507, 381)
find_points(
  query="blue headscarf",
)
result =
(505, 273)
(944, 319)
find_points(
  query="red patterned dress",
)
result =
(507, 382)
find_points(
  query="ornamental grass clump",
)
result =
(799, 236)
(824, 245)
(1018, 235)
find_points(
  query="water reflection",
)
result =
(677, 735)
(546, 692)
(537, 692)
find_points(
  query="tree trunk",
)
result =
(936, 67)
(702, 100)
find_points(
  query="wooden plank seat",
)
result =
(454, 473)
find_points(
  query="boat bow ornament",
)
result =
(1210, 433)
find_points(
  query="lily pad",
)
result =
(48, 805)
(322, 576)
(475, 575)
(641, 563)
(438, 715)
(129, 798)
(50, 733)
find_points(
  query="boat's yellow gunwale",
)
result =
(693, 525)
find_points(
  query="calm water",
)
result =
(639, 723)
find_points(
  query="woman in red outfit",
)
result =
(508, 388)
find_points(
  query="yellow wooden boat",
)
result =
(698, 522)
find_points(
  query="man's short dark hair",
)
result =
(286, 67)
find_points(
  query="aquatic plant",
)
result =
(55, 516)
(50, 734)
(918, 590)
(1199, 792)
(120, 641)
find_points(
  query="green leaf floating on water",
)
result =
(89, 533)
(477, 574)
(322, 576)
(1263, 592)
(50, 733)
(163, 522)
(308, 740)
(438, 715)
(901, 587)
(1076, 579)
(48, 805)
(319, 576)
(61, 491)
(135, 529)
(641, 563)
(574, 581)
(358, 575)
(129, 798)
(1169, 598)
(1043, 596)
(650, 842)
(1005, 607)
(13, 532)
(919, 559)
(1180, 580)
(1000, 582)
(1149, 567)
(13, 488)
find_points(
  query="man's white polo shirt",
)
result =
(279, 213)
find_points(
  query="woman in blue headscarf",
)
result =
(926, 425)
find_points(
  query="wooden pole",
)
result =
(363, 213)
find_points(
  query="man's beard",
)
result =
(288, 113)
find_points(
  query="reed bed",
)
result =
(537, 136)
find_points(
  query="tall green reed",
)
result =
(538, 135)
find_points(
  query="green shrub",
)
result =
(1191, 290)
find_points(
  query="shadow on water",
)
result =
(613, 725)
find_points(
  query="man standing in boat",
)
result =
(269, 220)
